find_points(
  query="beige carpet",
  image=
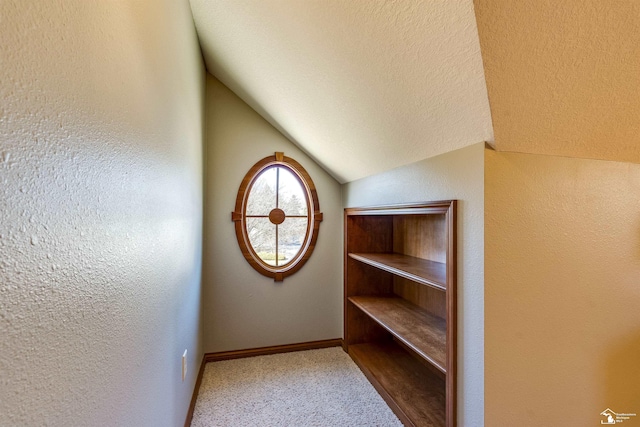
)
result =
(305, 388)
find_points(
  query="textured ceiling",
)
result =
(563, 76)
(361, 86)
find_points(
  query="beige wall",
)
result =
(243, 309)
(455, 175)
(562, 264)
(100, 194)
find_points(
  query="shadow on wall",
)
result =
(621, 375)
(621, 383)
(638, 232)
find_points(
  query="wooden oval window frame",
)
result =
(314, 217)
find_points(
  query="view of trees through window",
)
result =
(277, 216)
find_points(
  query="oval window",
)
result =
(277, 216)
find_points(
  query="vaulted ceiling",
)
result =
(365, 86)
(362, 86)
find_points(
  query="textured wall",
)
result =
(455, 175)
(563, 76)
(562, 262)
(362, 86)
(100, 198)
(243, 309)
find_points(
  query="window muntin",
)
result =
(277, 216)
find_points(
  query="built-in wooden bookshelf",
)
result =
(400, 306)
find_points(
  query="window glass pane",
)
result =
(262, 197)
(291, 235)
(262, 237)
(292, 194)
